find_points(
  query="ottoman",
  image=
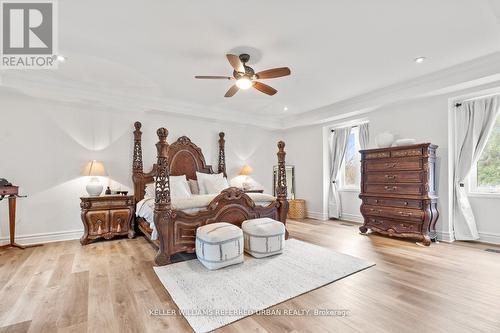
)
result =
(263, 237)
(219, 245)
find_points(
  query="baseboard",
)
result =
(488, 237)
(317, 216)
(445, 236)
(45, 237)
(352, 218)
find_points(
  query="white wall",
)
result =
(45, 145)
(425, 120)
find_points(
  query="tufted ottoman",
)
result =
(263, 237)
(219, 245)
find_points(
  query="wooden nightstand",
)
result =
(107, 216)
(253, 191)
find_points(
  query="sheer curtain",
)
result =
(338, 146)
(474, 121)
(364, 135)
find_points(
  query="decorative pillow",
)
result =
(216, 185)
(179, 187)
(204, 178)
(193, 186)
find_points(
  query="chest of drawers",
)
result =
(398, 191)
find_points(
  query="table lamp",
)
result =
(246, 171)
(94, 169)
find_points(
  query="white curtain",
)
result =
(474, 121)
(338, 146)
(364, 135)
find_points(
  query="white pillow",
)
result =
(204, 178)
(216, 185)
(179, 187)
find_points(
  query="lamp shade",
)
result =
(246, 170)
(94, 168)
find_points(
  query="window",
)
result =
(350, 171)
(485, 176)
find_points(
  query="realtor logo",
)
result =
(28, 34)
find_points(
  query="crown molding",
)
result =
(74, 92)
(477, 72)
(474, 73)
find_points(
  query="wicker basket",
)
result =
(297, 209)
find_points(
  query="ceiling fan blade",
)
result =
(264, 88)
(233, 90)
(273, 73)
(236, 63)
(213, 77)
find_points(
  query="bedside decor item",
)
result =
(384, 139)
(263, 237)
(107, 217)
(297, 209)
(246, 171)
(94, 169)
(12, 192)
(398, 189)
(290, 180)
(219, 245)
(256, 284)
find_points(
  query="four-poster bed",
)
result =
(177, 228)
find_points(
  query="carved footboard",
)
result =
(177, 230)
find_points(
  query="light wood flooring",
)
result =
(110, 286)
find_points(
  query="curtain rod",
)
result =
(474, 98)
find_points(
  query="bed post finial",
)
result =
(163, 213)
(222, 154)
(281, 189)
(137, 165)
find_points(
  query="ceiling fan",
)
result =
(246, 77)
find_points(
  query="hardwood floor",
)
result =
(110, 287)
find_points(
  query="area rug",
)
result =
(211, 299)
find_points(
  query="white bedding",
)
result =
(191, 205)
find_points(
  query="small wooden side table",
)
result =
(13, 193)
(107, 216)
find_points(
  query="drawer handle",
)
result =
(376, 210)
(390, 188)
(390, 177)
(405, 214)
(390, 165)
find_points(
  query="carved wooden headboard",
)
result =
(184, 158)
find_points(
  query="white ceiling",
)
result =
(335, 49)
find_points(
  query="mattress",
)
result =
(192, 205)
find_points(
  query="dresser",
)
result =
(107, 216)
(398, 191)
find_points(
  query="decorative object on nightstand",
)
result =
(94, 169)
(246, 171)
(107, 217)
(297, 209)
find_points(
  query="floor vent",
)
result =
(493, 250)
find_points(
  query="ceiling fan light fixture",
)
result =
(243, 83)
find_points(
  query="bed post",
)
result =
(137, 165)
(281, 190)
(163, 212)
(222, 154)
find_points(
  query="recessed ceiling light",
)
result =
(420, 60)
(285, 108)
(61, 58)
